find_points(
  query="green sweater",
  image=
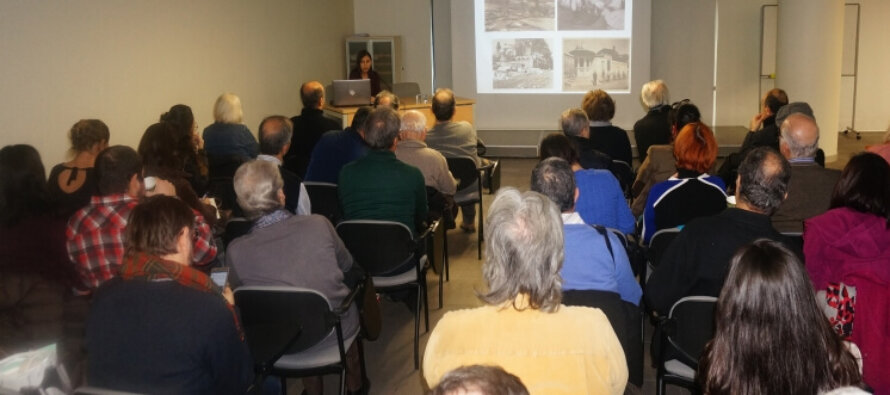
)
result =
(381, 187)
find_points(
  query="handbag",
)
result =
(370, 322)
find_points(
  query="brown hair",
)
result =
(695, 148)
(598, 105)
(86, 133)
(156, 223)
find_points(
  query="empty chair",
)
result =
(683, 335)
(222, 171)
(406, 89)
(465, 171)
(324, 200)
(659, 243)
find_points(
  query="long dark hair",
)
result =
(864, 186)
(23, 191)
(771, 336)
(358, 60)
(182, 120)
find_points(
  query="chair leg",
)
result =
(441, 283)
(342, 381)
(481, 230)
(447, 265)
(283, 385)
(659, 386)
(426, 308)
(417, 333)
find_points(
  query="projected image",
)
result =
(595, 63)
(519, 15)
(591, 14)
(522, 64)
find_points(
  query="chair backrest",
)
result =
(235, 228)
(324, 199)
(659, 243)
(270, 316)
(464, 170)
(378, 246)
(405, 89)
(624, 173)
(221, 170)
(692, 326)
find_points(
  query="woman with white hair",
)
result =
(654, 128)
(227, 136)
(523, 328)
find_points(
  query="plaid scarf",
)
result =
(139, 265)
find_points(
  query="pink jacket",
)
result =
(844, 245)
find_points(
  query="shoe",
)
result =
(468, 228)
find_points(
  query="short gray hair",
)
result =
(257, 183)
(573, 121)
(553, 178)
(655, 93)
(382, 128)
(763, 179)
(413, 121)
(275, 132)
(799, 149)
(523, 250)
(385, 94)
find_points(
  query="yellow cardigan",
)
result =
(570, 351)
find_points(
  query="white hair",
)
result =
(228, 109)
(413, 121)
(655, 93)
(257, 183)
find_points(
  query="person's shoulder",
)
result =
(582, 316)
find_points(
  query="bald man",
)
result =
(809, 191)
(308, 128)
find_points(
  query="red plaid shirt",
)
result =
(203, 246)
(96, 237)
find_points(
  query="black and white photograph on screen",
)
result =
(590, 14)
(519, 15)
(596, 63)
(522, 64)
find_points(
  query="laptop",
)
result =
(351, 93)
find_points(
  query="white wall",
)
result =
(411, 21)
(127, 62)
(873, 96)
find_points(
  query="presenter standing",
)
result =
(364, 70)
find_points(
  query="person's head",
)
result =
(769, 328)
(228, 109)
(654, 94)
(763, 180)
(386, 98)
(181, 117)
(443, 104)
(89, 135)
(275, 134)
(358, 120)
(695, 148)
(794, 108)
(774, 100)
(258, 187)
(598, 105)
(161, 226)
(382, 128)
(523, 251)
(363, 61)
(864, 185)
(574, 122)
(119, 170)
(312, 94)
(23, 190)
(553, 177)
(479, 380)
(800, 137)
(682, 113)
(158, 147)
(559, 146)
(413, 126)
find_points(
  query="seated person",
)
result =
(691, 192)
(600, 200)
(412, 150)
(227, 136)
(162, 326)
(386, 98)
(189, 146)
(276, 132)
(579, 134)
(655, 127)
(660, 163)
(364, 70)
(72, 184)
(522, 327)
(300, 251)
(604, 137)
(379, 186)
(479, 379)
(309, 126)
(768, 299)
(846, 250)
(336, 148)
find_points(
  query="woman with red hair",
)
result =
(691, 192)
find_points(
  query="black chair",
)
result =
(492, 176)
(683, 335)
(624, 172)
(794, 240)
(235, 228)
(437, 246)
(382, 246)
(465, 171)
(282, 326)
(658, 244)
(325, 200)
(221, 170)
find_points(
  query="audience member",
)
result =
(276, 132)
(412, 150)
(379, 186)
(163, 326)
(523, 327)
(882, 149)
(771, 337)
(600, 200)
(188, 147)
(309, 126)
(480, 380)
(762, 132)
(453, 140)
(847, 256)
(386, 98)
(691, 192)
(336, 148)
(364, 70)
(654, 128)
(576, 127)
(697, 261)
(227, 136)
(300, 251)
(809, 191)
(660, 163)
(73, 183)
(605, 137)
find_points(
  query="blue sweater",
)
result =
(588, 265)
(221, 139)
(601, 201)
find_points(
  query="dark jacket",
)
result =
(308, 128)
(652, 129)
